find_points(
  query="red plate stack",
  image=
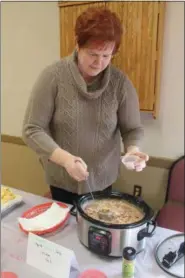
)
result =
(35, 211)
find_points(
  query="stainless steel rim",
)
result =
(85, 198)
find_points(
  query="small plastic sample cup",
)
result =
(92, 273)
(129, 161)
(8, 275)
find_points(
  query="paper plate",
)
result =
(10, 203)
(35, 211)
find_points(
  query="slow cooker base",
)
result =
(100, 255)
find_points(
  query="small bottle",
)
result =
(128, 264)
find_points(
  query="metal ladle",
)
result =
(87, 180)
(104, 214)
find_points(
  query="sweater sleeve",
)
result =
(39, 112)
(130, 126)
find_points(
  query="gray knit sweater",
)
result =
(64, 112)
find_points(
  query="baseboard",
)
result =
(159, 162)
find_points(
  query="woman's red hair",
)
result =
(98, 24)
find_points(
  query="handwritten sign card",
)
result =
(49, 257)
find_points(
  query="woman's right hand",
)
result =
(74, 165)
(76, 168)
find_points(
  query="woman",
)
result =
(78, 109)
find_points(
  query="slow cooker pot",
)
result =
(110, 239)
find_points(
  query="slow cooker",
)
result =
(110, 239)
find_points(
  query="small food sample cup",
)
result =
(92, 273)
(129, 161)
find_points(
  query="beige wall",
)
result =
(153, 181)
(30, 41)
(165, 136)
(21, 169)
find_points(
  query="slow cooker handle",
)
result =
(145, 232)
(72, 210)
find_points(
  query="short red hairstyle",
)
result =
(98, 24)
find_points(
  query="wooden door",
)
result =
(138, 52)
(69, 12)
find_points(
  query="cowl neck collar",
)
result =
(80, 82)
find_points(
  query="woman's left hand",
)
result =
(140, 164)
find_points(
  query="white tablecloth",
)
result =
(14, 247)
